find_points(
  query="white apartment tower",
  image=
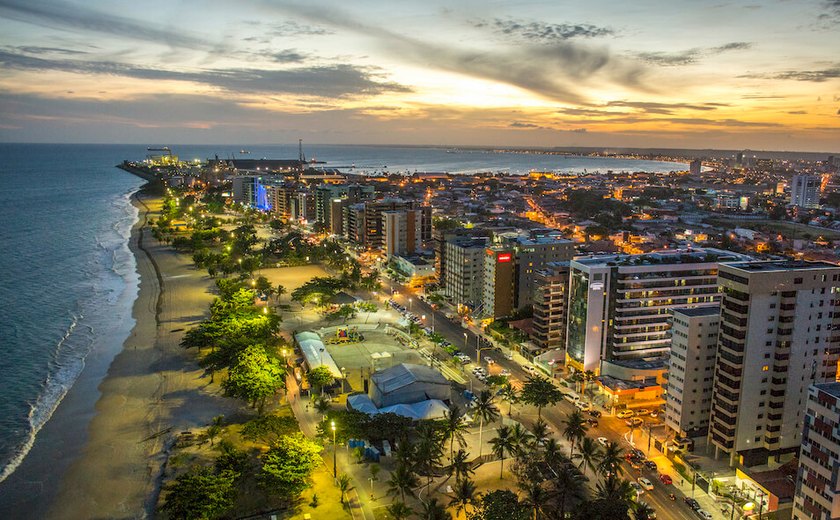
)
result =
(776, 339)
(691, 370)
(805, 191)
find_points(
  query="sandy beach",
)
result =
(152, 391)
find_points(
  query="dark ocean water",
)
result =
(68, 279)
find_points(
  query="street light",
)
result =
(409, 303)
(465, 341)
(335, 472)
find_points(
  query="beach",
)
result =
(152, 391)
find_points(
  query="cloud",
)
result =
(519, 124)
(718, 122)
(63, 16)
(797, 112)
(578, 130)
(292, 28)
(664, 108)
(816, 76)
(588, 112)
(286, 56)
(326, 81)
(555, 70)
(34, 49)
(541, 32)
(690, 56)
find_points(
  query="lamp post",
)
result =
(465, 341)
(410, 300)
(335, 472)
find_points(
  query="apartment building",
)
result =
(691, 370)
(464, 272)
(620, 305)
(818, 479)
(533, 253)
(550, 301)
(375, 222)
(403, 231)
(499, 282)
(776, 339)
(805, 191)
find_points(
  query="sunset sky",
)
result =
(642, 73)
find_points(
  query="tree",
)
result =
(569, 488)
(399, 511)
(343, 486)
(590, 453)
(255, 377)
(402, 481)
(521, 439)
(610, 459)
(500, 504)
(462, 496)
(434, 510)
(540, 392)
(537, 498)
(485, 410)
(269, 428)
(454, 428)
(503, 445)
(319, 377)
(200, 494)
(643, 511)
(460, 466)
(509, 394)
(428, 450)
(574, 429)
(540, 431)
(215, 428)
(288, 464)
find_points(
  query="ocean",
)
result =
(69, 280)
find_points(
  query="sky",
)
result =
(760, 75)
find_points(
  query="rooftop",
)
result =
(832, 389)
(780, 265)
(669, 256)
(404, 374)
(693, 312)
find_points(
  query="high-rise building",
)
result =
(775, 340)
(805, 191)
(818, 480)
(403, 231)
(533, 253)
(354, 222)
(375, 223)
(464, 270)
(695, 167)
(620, 305)
(550, 301)
(326, 193)
(691, 370)
(499, 282)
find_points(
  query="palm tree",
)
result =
(486, 410)
(569, 488)
(454, 428)
(344, 486)
(551, 450)
(402, 481)
(540, 392)
(615, 489)
(574, 429)
(540, 431)
(536, 497)
(590, 453)
(432, 510)
(428, 450)
(503, 444)
(460, 466)
(509, 394)
(643, 511)
(463, 495)
(521, 437)
(399, 511)
(610, 459)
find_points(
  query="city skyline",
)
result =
(661, 75)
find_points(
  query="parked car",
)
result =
(693, 504)
(595, 413)
(705, 515)
(665, 479)
(624, 414)
(654, 414)
(634, 421)
(603, 441)
(639, 489)
(645, 483)
(649, 464)
(642, 411)
(584, 407)
(509, 355)
(489, 361)
(637, 453)
(592, 422)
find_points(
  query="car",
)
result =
(634, 463)
(645, 483)
(603, 441)
(624, 414)
(665, 479)
(642, 411)
(654, 414)
(529, 369)
(489, 361)
(505, 372)
(693, 504)
(705, 515)
(634, 421)
(639, 489)
(592, 422)
(584, 407)
(638, 454)
(481, 377)
(508, 355)
(649, 464)
(595, 413)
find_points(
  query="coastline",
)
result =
(152, 390)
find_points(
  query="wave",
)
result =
(68, 357)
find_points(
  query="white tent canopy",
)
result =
(316, 353)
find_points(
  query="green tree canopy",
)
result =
(540, 392)
(200, 494)
(288, 465)
(500, 504)
(319, 377)
(255, 377)
(269, 428)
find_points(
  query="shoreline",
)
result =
(152, 390)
